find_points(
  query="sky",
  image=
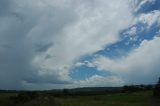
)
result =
(56, 44)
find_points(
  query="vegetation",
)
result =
(133, 95)
(142, 98)
(120, 99)
(156, 92)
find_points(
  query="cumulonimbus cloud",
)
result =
(40, 40)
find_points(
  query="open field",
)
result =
(118, 99)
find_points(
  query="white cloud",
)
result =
(141, 64)
(40, 40)
(150, 18)
(132, 32)
(79, 64)
(93, 81)
(46, 38)
(100, 81)
(85, 63)
(98, 24)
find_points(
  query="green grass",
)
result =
(119, 99)
(5, 98)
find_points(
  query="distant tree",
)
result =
(125, 88)
(156, 91)
(134, 88)
(149, 87)
(65, 91)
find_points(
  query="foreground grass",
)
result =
(119, 99)
(5, 98)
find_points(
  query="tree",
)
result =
(65, 91)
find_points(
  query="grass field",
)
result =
(119, 99)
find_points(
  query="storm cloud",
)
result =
(41, 40)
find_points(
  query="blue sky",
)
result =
(66, 43)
